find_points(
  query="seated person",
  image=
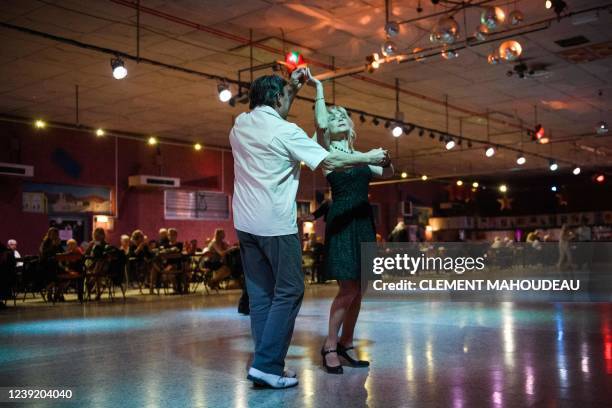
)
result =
(215, 254)
(7, 274)
(12, 245)
(96, 253)
(176, 265)
(124, 244)
(163, 238)
(49, 248)
(140, 251)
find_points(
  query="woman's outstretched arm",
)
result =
(320, 111)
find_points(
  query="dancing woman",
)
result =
(349, 222)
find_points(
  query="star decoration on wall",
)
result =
(505, 203)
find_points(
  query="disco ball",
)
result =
(449, 54)
(510, 50)
(418, 54)
(481, 32)
(493, 58)
(516, 17)
(388, 48)
(392, 28)
(492, 17)
(446, 31)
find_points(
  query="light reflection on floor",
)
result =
(193, 351)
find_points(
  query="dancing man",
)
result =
(267, 152)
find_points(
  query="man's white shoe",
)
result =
(270, 380)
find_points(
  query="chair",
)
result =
(174, 272)
(70, 272)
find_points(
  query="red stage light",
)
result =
(540, 135)
(600, 178)
(293, 61)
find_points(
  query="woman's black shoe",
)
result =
(332, 370)
(342, 352)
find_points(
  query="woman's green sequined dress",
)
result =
(348, 223)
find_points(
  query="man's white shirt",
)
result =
(267, 154)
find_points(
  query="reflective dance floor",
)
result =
(193, 351)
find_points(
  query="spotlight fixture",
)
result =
(421, 132)
(558, 6)
(450, 144)
(539, 135)
(408, 129)
(459, 142)
(424, 177)
(118, 67)
(490, 151)
(432, 135)
(503, 188)
(459, 183)
(40, 124)
(469, 144)
(100, 132)
(553, 165)
(576, 171)
(387, 124)
(600, 178)
(441, 137)
(475, 184)
(152, 141)
(520, 160)
(197, 147)
(602, 128)
(362, 118)
(225, 94)
(553, 188)
(404, 174)
(375, 121)
(397, 131)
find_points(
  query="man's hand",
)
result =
(378, 157)
(297, 78)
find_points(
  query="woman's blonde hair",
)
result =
(352, 135)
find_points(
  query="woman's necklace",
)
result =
(335, 146)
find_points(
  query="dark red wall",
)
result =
(142, 208)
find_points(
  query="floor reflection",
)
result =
(194, 351)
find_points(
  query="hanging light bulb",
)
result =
(481, 32)
(520, 160)
(553, 189)
(510, 50)
(449, 54)
(152, 141)
(118, 67)
(459, 183)
(397, 131)
(493, 58)
(492, 17)
(424, 177)
(40, 124)
(392, 28)
(404, 174)
(225, 94)
(553, 165)
(389, 48)
(475, 184)
(548, 4)
(602, 128)
(503, 188)
(446, 31)
(100, 132)
(490, 151)
(516, 17)
(576, 171)
(197, 147)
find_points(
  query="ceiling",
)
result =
(38, 75)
